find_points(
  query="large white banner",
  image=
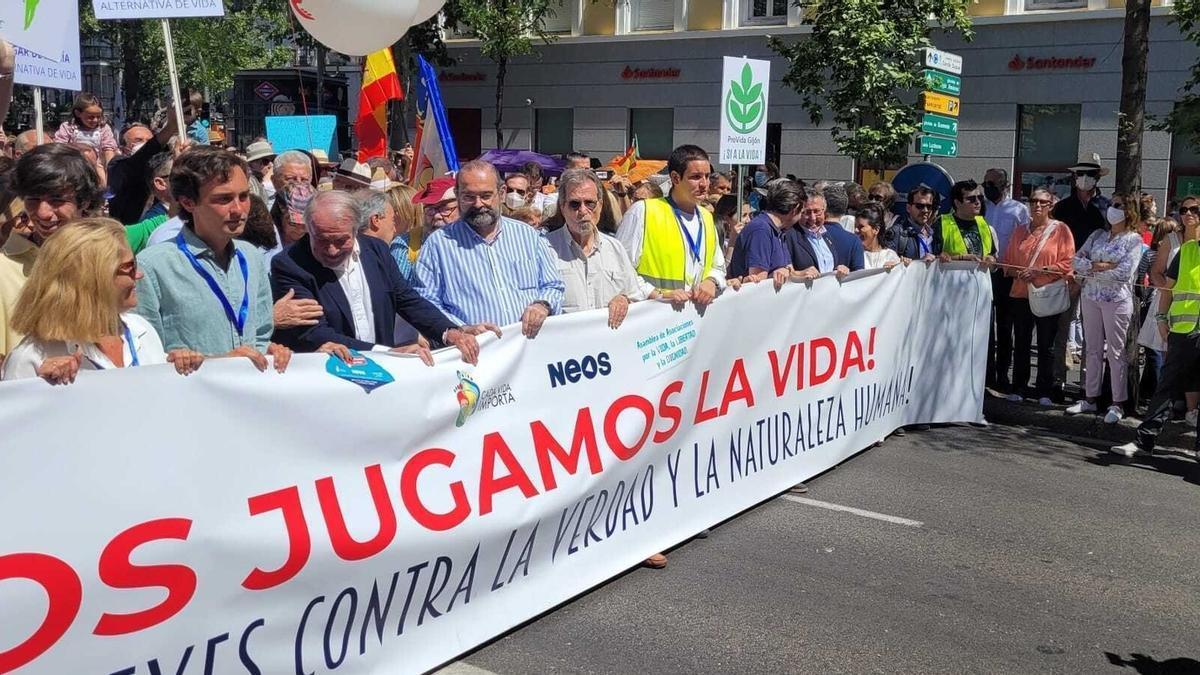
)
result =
(236, 521)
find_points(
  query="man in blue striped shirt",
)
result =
(484, 268)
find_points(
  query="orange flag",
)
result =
(380, 84)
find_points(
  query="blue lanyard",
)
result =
(695, 245)
(133, 357)
(239, 319)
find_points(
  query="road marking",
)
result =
(462, 668)
(896, 520)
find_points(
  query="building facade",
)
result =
(1041, 86)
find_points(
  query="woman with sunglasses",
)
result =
(1167, 248)
(76, 309)
(1107, 262)
(1040, 254)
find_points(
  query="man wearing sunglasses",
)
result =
(964, 234)
(912, 237)
(1083, 212)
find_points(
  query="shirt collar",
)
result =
(814, 233)
(351, 261)
(197, 246)
(467, 227)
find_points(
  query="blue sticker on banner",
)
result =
(361, 371)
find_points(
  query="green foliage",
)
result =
(504, 28)
(1184, 120)
(863, 63)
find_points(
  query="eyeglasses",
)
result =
(923, 207)
(520, 191)
(1194, 210)
(1117, 205)
(1039, 202)
(1091, 173)
(129, 269)
(875, 198)
(974, 199)
(576, 204)
(482, 197)
(445, 209)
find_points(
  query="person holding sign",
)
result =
(90, 268)
(206, 290)
(652, 230)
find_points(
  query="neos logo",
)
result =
(574, 370)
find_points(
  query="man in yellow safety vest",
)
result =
(1178, 319)
(964, 234)
(672, 241)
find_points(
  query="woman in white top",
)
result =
(868, 224)
(75, 309)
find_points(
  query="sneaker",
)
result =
(1115, 414)
(1082, 406)
(798, 489)
(1014, 398)
(1045, 402)
(1190, 418)
(1127, 450)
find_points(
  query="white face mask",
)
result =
(1114, 215)
(135, 147)
(1085, 182)
(514, 200)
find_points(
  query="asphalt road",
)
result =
(1006, 550)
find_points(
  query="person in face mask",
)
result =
(763, 174)
(516, 191)
(1005, 215)
(1108, 260)
(1083, 211)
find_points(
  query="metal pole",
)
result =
(38, 121)
(173, 74)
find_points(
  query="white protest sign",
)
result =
(236, 521)
(63, 70)
(745, 84)
(156, 9)
(37, 25)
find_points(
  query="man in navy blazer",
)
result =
(818, 247)
(359, 286)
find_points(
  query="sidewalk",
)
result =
(1086, 429)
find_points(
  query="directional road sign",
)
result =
(940, 103)
(939, 125)
(934, 145)
(943, 82)
(944, 61)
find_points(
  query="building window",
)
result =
(466, 127)
(1038, 5)
(558, 19)
(654, 129)
(774, 142)
(653, 14)
(1047, 143)
(1185, 169)
(764, 12)
(555, 132)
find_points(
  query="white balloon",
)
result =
(357, 27)
(426, 9)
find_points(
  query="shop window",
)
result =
(654, 128)
(555, 130)
(1047, 143)
(653, 14)
(764, 12)
(1185, 169)
(466, 126)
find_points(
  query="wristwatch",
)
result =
(545, 304)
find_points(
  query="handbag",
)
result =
(1054, 297)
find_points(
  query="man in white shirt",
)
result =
(1005, 215)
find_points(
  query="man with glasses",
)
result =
(964, 234)
(1083, 212)
(912, 237)
(1005, 215)
(487, 269)
(57, 184)
(440, 205)
(594, 266)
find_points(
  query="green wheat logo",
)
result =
(744, 103)
(30, 12)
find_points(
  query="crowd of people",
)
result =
(157, 246)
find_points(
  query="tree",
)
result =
(208, 51)
(863, 63)
(1132, 119)
(1184, 119)
(505, 29)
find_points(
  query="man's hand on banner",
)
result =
(336, 349)
(467, 345)
(246, 351)
(780, 277)
(422, 352)
(704, 295)
(281, 354)
(533, 318)
(618, 308)
(186, 361)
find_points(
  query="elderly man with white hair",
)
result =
(594, 266)
(359, 287)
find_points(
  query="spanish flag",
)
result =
(624, 164)
(380, 84)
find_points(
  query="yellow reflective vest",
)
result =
(1184, 314)
(665, 250)
(953, 243)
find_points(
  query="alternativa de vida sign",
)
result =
(744, 88)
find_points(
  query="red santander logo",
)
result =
(1017, 63)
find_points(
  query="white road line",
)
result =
(462, 668)
(896, 520)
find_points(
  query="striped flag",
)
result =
(434, 154)
(625, 163)
(380, 84)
